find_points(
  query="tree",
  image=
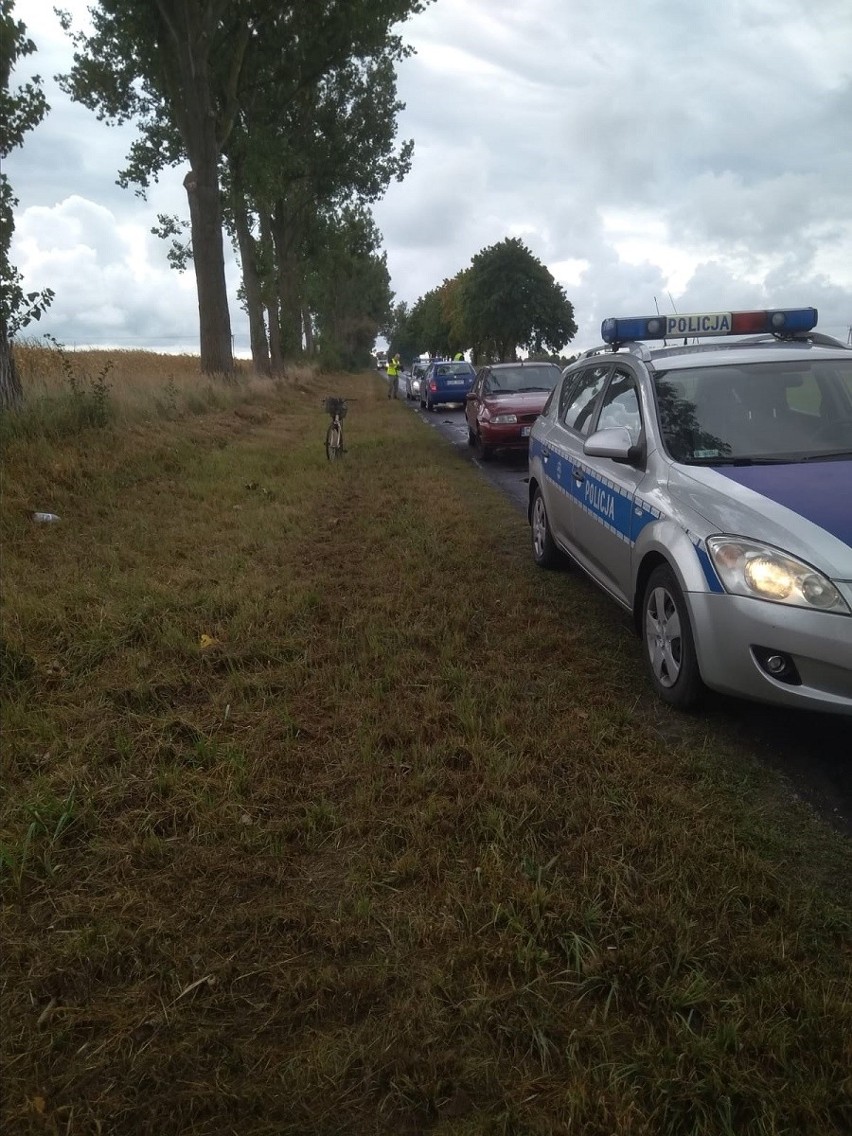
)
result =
(159, 62)
(401, 333)
(20, 111)
(452, 306)
(330, 148)
(348, 289)
(184, 68)
(510, 301)
(429, 324)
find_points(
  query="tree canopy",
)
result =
(505, 301)
(235, 84)
(511, 301)
(348, 288)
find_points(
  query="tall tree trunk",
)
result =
(308, 325)
(208, 255)
(270, 292)
(251, 280)
(11, 391)
(186, 27)
(275, 352)
(289, 298)
(291, 312)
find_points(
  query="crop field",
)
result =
(324, 811)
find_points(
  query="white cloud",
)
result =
(109, 283)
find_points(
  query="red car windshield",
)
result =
(511, 380)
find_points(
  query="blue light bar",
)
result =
(779, 321)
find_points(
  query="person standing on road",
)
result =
(394, 367)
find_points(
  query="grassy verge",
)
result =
(326, 812)
(69, 391)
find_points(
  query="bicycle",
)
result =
(337, 408)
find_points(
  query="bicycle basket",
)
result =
(336, 406)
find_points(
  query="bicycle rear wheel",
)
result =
(334, 442)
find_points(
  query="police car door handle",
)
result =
(579, 476)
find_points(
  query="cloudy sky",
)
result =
(695, 153)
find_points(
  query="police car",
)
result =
(707, 487)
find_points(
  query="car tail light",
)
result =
(433, 386)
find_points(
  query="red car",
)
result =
(505, 400)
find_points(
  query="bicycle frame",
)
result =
(337, 408)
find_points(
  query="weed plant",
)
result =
(326, 812)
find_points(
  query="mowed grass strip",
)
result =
(326, 812)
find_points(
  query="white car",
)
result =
(414, 379)
(707, 488)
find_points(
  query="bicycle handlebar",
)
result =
(336, 406)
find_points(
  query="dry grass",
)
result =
(70, 390)
(403, 849)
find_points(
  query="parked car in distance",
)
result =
(414, 379)
(504, 403)
(382, 360)
(447, 380)
(706, 488)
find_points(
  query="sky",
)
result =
(678, 155)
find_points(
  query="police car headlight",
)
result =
(504, 419)
(748, 568)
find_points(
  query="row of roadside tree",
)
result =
(286, 115)
(506, 301)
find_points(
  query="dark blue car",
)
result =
(446, 381)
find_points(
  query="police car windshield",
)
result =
(752, 412)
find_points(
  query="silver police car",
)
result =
(707, 487)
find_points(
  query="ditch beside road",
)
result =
(812, 751)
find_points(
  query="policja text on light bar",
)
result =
(778, 321)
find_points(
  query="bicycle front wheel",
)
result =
(334, 442)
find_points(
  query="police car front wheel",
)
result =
(668, 641)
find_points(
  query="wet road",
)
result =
(812, 751)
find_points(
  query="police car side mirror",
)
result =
(614, 442)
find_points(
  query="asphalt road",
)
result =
(812, 751)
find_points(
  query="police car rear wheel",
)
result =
(669, 645)
(545, 551)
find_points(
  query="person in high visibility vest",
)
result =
(394, 367)
(459, 355)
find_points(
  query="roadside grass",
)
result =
(70, 390)
(326, 812)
